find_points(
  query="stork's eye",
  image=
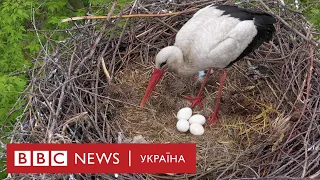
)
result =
(162, 64)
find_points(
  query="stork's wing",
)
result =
(217, 36)
(263, 23)
(233, 45)
(247, 36)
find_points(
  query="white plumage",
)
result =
(212, 39)
(216, 36)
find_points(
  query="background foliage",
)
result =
(19, 41)
(311, 9)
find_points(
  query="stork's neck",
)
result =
(177, 62)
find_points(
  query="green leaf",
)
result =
(315, 11)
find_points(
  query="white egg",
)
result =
(197, 118)
(184, 113)
(183, 125)
(196, 129)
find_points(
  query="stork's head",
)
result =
(168, 58)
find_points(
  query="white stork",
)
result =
(215, 37)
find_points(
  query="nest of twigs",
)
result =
(270, 118)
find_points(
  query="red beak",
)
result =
(155, 78)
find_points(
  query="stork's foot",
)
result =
(213, 119)
(195, 101)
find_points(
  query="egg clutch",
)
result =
(187, 121)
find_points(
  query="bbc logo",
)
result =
(40, 158)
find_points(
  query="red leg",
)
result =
(214, 117)
(198, 99)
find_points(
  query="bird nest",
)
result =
(87, 89)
